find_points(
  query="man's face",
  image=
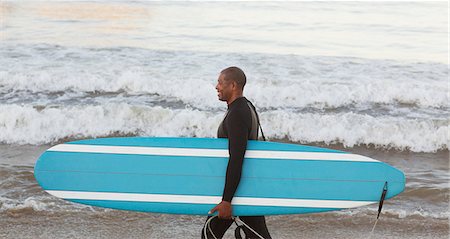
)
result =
(224, 88)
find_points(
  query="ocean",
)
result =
(370, 78)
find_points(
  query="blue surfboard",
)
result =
(187, 175)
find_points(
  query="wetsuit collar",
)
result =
(234, 102)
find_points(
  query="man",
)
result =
(239, 125)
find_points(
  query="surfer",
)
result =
(239, 125)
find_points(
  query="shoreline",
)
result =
(122, 224)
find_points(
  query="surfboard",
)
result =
(187, 175)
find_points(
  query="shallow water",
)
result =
(421, 211)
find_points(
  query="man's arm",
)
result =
(237, 145)
(237, 129)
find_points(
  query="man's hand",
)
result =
(224, 210)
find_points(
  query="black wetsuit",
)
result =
(239, 125)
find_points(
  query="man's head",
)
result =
(230, 84)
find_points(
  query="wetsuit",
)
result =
(239, 125)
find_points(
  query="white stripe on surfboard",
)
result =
(191, 199)
(84, 148)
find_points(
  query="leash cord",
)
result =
(208, 226)
(373, 229)
(236, 220)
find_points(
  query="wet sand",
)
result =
(118, 224)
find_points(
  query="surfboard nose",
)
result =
(396, 182)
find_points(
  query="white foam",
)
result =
(27, 125)
(43, 203)
(285, 81)
(34, 203)
(353, 129)
(398, 213)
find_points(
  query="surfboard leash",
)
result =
(237, 232)
(380, 206)
(208, 227)
(257, 118)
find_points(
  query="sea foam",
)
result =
(32, 125)
(278, 81)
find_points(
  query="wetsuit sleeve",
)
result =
(238, 130)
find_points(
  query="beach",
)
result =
(366, 78)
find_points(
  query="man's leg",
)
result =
(257, 223)
(218, 227)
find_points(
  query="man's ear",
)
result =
(234, 85)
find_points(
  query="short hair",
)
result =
(235, 74)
